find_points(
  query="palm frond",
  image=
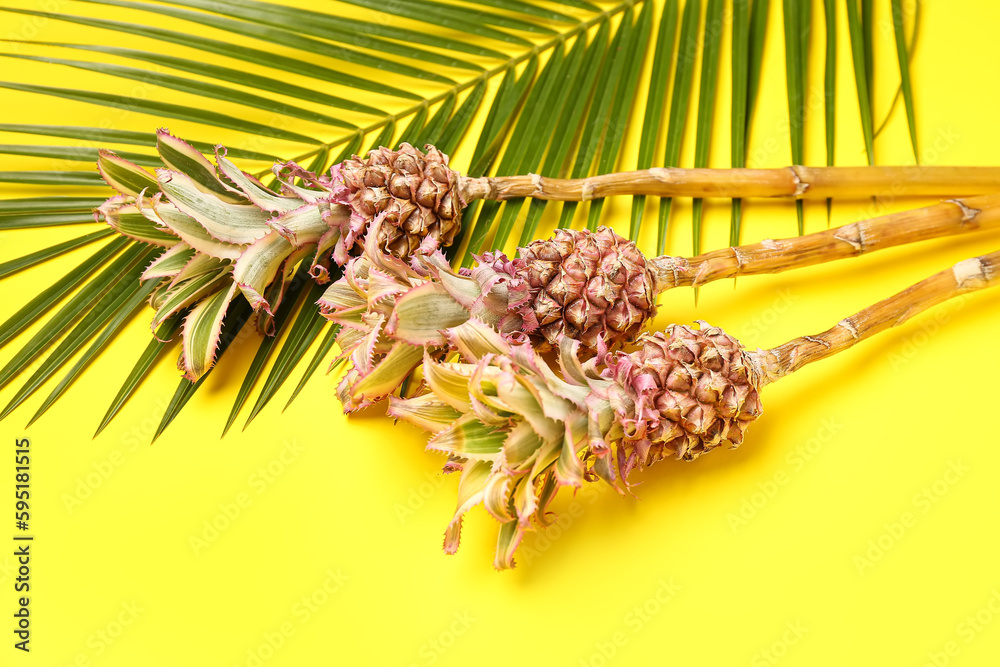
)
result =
(556, 81)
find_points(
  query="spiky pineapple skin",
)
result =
(416, 192)
(690, 391)
(588, 286)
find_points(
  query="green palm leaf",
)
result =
(564, 78)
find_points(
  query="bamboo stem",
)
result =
(966, 276)
(793, 182)
(954, 216)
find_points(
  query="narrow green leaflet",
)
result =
(321, 353)
(656, 100)
(160, 110)
(904, 73)
(622, 102)
(596, 121)
(267, 346)
(126, 308)
(366, 33)
(527, 144)
(298, 41)
(796, 80)
(433, 129)
(110, 136)
(13, 266)
(868, 39)
(459, 123)
(505, 104)
(100, 307)
(830, 90)
(758, 30)
(911, 46)
(310, 69)
(141, 369)
(194, 87)
(30, 220)
(576, 75)
(46, 204)
(463, 19)
(75, 153)
(84, 179)
(687, 52)
(301, 334)
(740, 100)
(32, 310)
(706, 103)
(861, 77)
(384, 138)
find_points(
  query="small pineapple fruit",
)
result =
(588, 285)
(416, 193)
(519, 430)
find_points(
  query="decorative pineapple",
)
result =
(588, 286)
(416, 193)
(225, 234)
(519, 431)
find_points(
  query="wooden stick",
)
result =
(954, 216)
(966, 276)
(793, 182)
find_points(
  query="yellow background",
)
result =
(759, 556)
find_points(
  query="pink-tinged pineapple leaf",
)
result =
(200, 265)
(188, 229)
(342, 301)
(202, 328)
(251, 188)
(305, 224)
(259, 265)
(420, 315)
(469, 438)
(475, 339)
(183, 294)
(240, 224)
(425, 411)
(387, 374)
(126, 177)
(169, 263)
(569, 468)
(182, 157)
(129, 220)
(448, 383)
(521, 445)
(470, 494)
(496, 496)
(511, 534)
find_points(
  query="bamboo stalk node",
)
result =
(970, 274)
(853, 235)
(800, 183)
(968, 213)
(536, 180)
(845, 323)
